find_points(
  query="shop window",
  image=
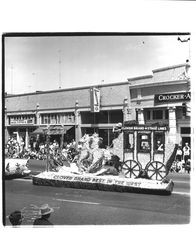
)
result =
(128, 142)
(148, 115)
(166, 114)
(143, 142)
(115, 116)
(159, 142)
(87, 118)
(185, 130)
(45, 119)
(157, 114)
(101, 117)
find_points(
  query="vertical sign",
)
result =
(95, 100)
(188, 109)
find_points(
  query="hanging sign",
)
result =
(95, 100)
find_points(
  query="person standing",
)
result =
(16, 218)
(45, 212)
(186, 153)
(179, 154)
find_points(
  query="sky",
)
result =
(53, 62)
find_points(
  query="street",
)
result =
(94, 207)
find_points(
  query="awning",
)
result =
(39, 130)
(53, 130)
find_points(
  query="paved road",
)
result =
(93, 207)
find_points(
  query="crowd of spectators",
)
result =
(40, 150)
(70, 151)
(182, 161)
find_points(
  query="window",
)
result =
(185, 130)
(157, 114)
(101, 117)
(159, 142)
(128, 142)
(148, 115)
(115, 116)
(143, 142)
(62, 118)
(166, 114)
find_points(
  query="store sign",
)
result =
(188, 109)
(95, 100)
(145, 128)
(21, 121)
(172, 97)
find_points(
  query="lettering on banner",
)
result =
(65, 177)
(132, 183)
(117, 182)
(109, 181)
(97, 180)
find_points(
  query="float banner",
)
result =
(172, 97)
(110, 181)
(95, 99)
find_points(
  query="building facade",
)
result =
(71, 108)
(162, 97)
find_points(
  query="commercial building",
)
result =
(164, 98)
(71, 108)
(154, 98)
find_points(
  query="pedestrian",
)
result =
(179, 154)
(45, 212)
(186, 152)
(16, 218)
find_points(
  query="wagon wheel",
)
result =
(156, 170)
(131, 168)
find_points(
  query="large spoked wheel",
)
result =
(131, 168)
(156, 170)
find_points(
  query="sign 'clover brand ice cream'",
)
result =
(172, 97)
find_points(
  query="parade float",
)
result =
(138, 161)
(16, 168)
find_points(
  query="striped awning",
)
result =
(53, 130)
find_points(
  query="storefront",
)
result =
(101, 123)
(84, 110)
(164, 98)
(21, 127)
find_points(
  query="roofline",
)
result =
(170, 67)
(154, 84)
(140, 77)
(68, 89)
(157, 70)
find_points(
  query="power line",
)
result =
(185, 41)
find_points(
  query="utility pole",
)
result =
(12, 78)
(34, 81)
(59, 51)
(29, 87)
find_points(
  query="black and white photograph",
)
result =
(97, 129)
